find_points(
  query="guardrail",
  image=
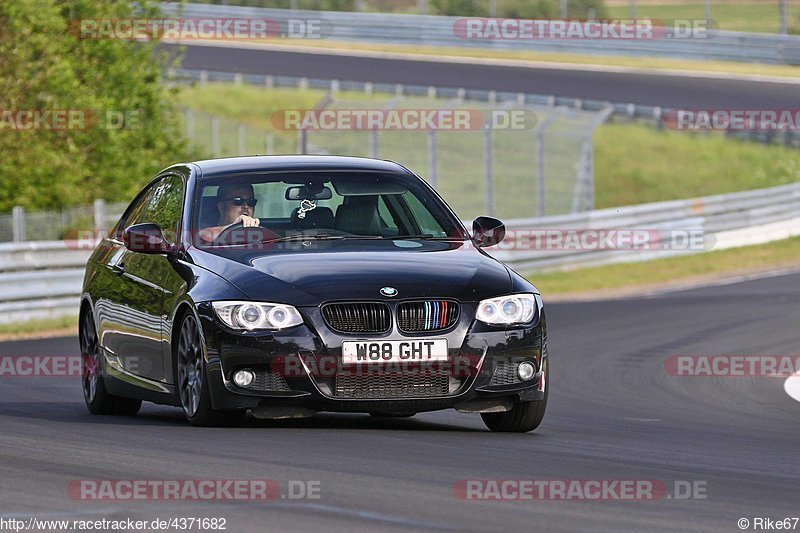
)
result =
(712, 223)
(438, 31)
(44, 279)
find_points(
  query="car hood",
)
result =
(307, 274)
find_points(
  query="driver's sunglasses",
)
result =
(239, 201)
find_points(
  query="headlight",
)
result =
(255, 315)
(511, 309)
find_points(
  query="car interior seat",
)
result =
(359, 215)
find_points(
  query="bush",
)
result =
(46, 68)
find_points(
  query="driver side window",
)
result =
(161, 204)
(165, 206)
(134, 213)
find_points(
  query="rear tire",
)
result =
(98, 400)
(524, 416)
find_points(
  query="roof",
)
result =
(215, 168)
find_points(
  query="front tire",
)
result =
(98, 400)
(192, 379)
(524, 416)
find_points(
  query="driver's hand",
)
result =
(247, 221)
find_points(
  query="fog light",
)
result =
(243, 378)
(525, 371)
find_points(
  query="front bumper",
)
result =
(301, 367)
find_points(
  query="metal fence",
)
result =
(544, 167)
(69, 223)
(438, 31)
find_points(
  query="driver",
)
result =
(236, 202)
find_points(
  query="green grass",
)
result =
(762, 16)
(24, 329)
(628, 275)
(636, 164)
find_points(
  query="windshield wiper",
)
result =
(426, 237)
(321, 237)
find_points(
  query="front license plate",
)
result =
(394, 351)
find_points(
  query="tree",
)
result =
(126, 126)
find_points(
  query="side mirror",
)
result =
(146, 239)
(487, 231)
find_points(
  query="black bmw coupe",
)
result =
(289, 285)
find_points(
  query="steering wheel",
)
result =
(237, 234)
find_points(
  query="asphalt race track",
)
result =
(614, 414)
(650, 89)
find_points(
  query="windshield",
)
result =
(276, 207)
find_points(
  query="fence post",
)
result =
(203, 77)
(18, 223)
(99, 211)
(540, 175)
(189, 119)
(583, 194)
(270, 143)
(242, 140)
(487, 148)
(432, 158)
(658, 115)
(784, 17)
(302, 142)
(215, 136)
(237, 78)
(373, 143)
